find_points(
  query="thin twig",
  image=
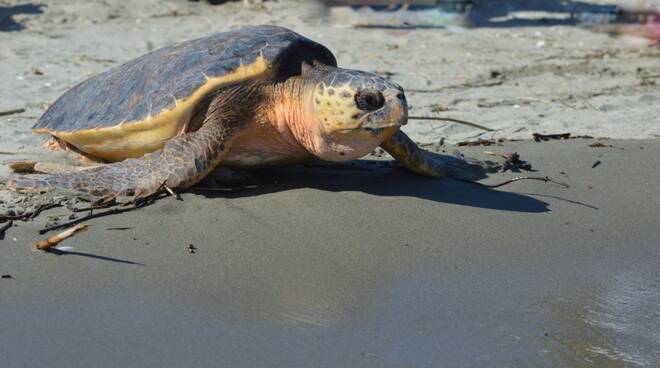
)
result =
(104, 202)
(541, 178)
(546, 137)
(171, 192)
(139, 203)
(11, 112)
(458, 86)
(91, 208)
(227, 190)
(6, 226)
(89, 217)
(458, 121)
(53, 241)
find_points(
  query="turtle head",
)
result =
(353, 111)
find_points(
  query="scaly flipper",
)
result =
(430, 164)
(183, 161)
(404, 150)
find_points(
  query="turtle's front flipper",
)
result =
(404, 150)
(183, 161)
(430, 164)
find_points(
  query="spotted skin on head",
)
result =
(336, 107)
(335, 100)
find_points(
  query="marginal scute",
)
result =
(134, 139)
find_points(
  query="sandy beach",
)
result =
(344, 268)
(361, 265)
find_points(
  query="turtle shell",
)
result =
(136, 107)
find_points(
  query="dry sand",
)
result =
(338, 267)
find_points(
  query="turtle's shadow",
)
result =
(380, 179)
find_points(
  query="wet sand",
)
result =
(323, 267)
(362, 268)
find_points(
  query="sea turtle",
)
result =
(255, 96)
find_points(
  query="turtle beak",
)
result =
(394, 112)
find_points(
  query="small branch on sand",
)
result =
(546, 137)
(457, 121)
(459, 86)
(541, 178)
(171, 192)
(481, 142)
(11, 112)
(139, 203)
(22, 167)
(226, 190)
(91, 208)
(53, 241)
(88, 217)
(512, 161)
(6, 226)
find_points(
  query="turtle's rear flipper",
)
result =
(183, 161)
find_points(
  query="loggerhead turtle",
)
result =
(255, 96)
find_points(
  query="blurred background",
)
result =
(585, 67)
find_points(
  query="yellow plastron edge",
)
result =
(135, 138)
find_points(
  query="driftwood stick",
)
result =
(54, 240)
(139, 203)
(88, 217)
(467, 85)
(11, 112)
(458, 121)
(91, 208)
(6, 226)
(519, 178)
(171, 192)
(226, 190)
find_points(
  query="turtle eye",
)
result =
(369, 100)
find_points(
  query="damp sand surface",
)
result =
(322, 267)
(337, 267)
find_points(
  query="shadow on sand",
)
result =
(376, 178)
(8, 24)
(58, 252)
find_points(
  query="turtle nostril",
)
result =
(400, 96)
(369, 100)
